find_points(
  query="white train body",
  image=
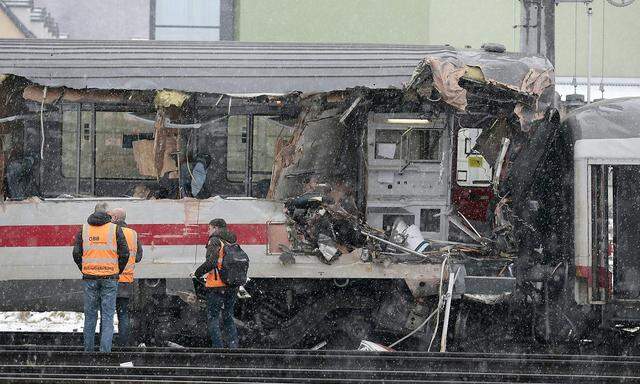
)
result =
(36, 240)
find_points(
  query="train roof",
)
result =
(606, 119)
(242, 68)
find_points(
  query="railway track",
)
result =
(55, 364)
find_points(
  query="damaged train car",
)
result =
(360, 182)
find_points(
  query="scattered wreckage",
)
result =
(367, 211)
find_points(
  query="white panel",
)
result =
(608, 151)
(40, 263)
(189, 211)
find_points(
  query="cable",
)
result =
(437, 310)
(414, 331)
(44, 96)
(440, 302)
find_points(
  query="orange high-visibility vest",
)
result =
(132, 241)
(213, 279)
(99, 250)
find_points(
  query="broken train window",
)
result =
(267, 130)
(409, 143)
(117, 136)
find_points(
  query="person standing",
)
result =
(101, 253)
(221, 299)
(125, 282)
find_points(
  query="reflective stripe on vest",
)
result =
(99, 250)
(214, 280)
(132, 242)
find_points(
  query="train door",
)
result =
(615, 224)
(471, 190)
(409, 172)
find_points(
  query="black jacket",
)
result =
(126, 289)
(213, 247)
(98, 219)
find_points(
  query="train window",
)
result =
(115, 134)
(266, 132)
(421, 144)
(387, 141)
(187, 20)
(473, 170)
(429, 222)
(615, 222)
(410, 144)
(236, 147)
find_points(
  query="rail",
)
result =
(49, 364)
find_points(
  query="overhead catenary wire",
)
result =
(602, 55)
(574, 81)
(589, 47)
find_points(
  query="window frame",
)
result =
(248, 170)
(226, 23)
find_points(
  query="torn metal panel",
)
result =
(144, 157)
(446, 76)
(321, 154)
(164, 147)
(521, 80)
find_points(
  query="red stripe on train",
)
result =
(150, 234)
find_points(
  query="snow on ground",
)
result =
(57, 321)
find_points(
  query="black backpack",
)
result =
(235, 264)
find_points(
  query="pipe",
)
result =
(399, 247)
(78, 146)
(248, 179)
(589, 33)
(93, 149)
(10, 119)
(499, 162)
(447, 311)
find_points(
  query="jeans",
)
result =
(99, 294)
(122, 308)
(222, 301)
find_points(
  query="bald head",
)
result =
(118, 215)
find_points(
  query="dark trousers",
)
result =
(122, 308)
(221, 303)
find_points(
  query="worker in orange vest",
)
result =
(221, 300)
(125, 283)
(101, 253)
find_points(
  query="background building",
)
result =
(22, 19)
(461, 23)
